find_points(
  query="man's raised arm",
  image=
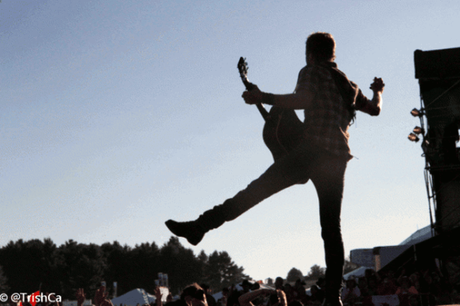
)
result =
(374, 106)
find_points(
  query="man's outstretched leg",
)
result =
(282, 174)
(194, 231)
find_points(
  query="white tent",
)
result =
(238, 287)
(134, 297)
(356, 273)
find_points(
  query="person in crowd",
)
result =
(441, 287)
(225, 295)
(415, 280)
(321, 283)
(246, 285)
(406, 286)
(290, 293)
(363, 288)
(317, 295)
(405, 291)
(366, 294)
(386, 287)
(279, 283)
(301, 295)
(233, 297)
(209, 298)
(351, 293)
(276, 297)
(192, 295)
(169, 298)
(372, 285)
(158, 296)
(370, 274)
(100, 297)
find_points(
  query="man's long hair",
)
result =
(321, 46)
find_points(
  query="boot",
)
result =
(194, 231)
(189, 230)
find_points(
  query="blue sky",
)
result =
(118, 115)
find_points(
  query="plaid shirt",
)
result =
(328, 116)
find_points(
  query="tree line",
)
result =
(28, 266)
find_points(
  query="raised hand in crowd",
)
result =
(158, 296)
(106, 302)
(100, 298)
(80, 295)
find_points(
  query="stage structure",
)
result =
(438, 73)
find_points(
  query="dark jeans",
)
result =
(305, 163)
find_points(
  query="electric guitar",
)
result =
(283, 130)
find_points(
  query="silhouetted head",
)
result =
(194, 295)
(279, 282)
(246, 285)
(320, 47)
(351, 283)
(205, 287)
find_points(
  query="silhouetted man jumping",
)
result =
(329, 101)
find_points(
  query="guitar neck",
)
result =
(263, 111)
(260, 107)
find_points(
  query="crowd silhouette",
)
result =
(421, 288)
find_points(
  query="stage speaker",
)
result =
(438, 72)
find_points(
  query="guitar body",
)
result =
(283, 130)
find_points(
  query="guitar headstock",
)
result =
(243, 69)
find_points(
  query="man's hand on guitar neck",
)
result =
(253, 96)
